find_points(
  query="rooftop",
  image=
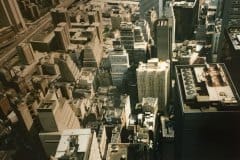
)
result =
(74, 140)
(153, 64)
(185, 4)
(47, 105)
(206, 88)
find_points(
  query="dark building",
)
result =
(230, 18)
(26, 53)
(206, 114)
(62, 36)
(231, 56)
(60, 15)
(163, 38)
(186, 14)
(7, 36)
(10, 15)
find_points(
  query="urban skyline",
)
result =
(119, 79)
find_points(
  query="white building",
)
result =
(79, 144)
(119, 61)
(55, 115)
(153, 80)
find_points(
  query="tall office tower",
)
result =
(153, 80)
(25, 115)
(62, 36)
(206, 23)
(10, 15)
(215, 40)
(26, 53)
(186, 14)
(230, 18)
(68, 69)
(207, 111)
(145, 29)
(127, 38)
(231, 10)
(78, 144)
(232, 53)
(55, 115)
(119, 61)
(140, 52)
(163, 38)
(60, 15)
(140, 46)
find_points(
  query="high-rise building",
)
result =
(186, 14)
(140, 46)
(60, 15)
(153, 81)
(207, 111)
(25, 115)
(127, 38)
(55, 115)
(119, 61)
(145, 29)
(26, 53)
(68, 69)
(230, 18)
(231, 10)
(10, 15)
(62, 36)
(51, 112)
(231, 55)
(163, 38)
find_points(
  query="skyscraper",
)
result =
(26, 53)
(230, 18)
(119, 61)
(62, 36)
(163, 38)
(60, 15)
(153, 80)
(186, 14)
(68, 69)
(206, 113)
(55, 115)
(127, 38)
(10, 15)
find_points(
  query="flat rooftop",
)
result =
(206, 86)
(185, 4)
(83, 139)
